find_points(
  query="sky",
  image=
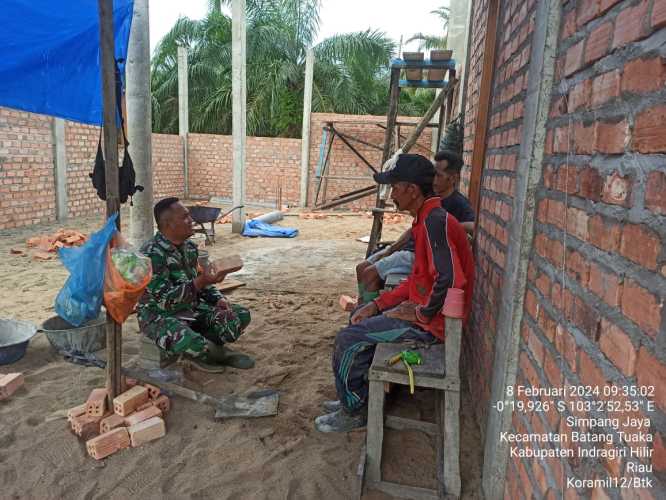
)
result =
(337, 16)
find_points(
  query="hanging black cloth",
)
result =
(126, 175)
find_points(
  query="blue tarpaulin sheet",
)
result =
(254, 228)
(51, 60)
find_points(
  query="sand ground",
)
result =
(292, 289)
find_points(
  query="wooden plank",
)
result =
(410, 424)
(484, 103)
(230, 284)
(453, 329)
(404, 491)
(433, 359)
(113, 329)
(448, 383)
(391, 117)
(439, 442)
(452, 443)
(360, 475)
(375, 437)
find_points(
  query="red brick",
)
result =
(605, 285)
(140, 416)
(567, 179)
(640, 245)
(590, 373)
(606, 5)
(96, 403)
(655, 192)
(591, 184)
(9, 384)
(642, 307)
(553, 372)
(658, 14)
(108, 443)
(644, 75)
(128, 401)
(652, 372)
(110, 423)
(579, 267)
(584, 138)
(604, 234)
(630, 24)
(587, 318)
(605, 87)
(587, 10)
(580, 95)
(650, 130)
(556, 213)
(611, 138)
(146, 431)
(618, 348)
(617, 190)
(568, 25)
(574, 58)
(566, 345)
(578, 223)
(598, 43)
(659, 453)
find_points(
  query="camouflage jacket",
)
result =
(172, 291)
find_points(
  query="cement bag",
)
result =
(128, 273)
(80, 299)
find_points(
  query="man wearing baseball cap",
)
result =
(412, 311)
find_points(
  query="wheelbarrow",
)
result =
(202, 215)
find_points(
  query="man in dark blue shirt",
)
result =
(399, 257)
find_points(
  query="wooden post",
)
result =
(484, 102)
(107, 49)
(184, 113)
(391, 118)
(239, 112)
(305, 136)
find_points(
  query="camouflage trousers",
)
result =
(187, 333)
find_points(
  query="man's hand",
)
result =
(405, 311)
(223, 304)
(367, 311)
(209, 276)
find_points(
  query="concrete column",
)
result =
(305, 136)
(139, 123)
(521, 232)
(183, 113)
(60, 170)
(239, 98)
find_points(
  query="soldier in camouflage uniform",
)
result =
(181, 310)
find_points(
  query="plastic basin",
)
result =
(87, 338)
(14, 338)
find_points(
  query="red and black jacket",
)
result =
(442, 260)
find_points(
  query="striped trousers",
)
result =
(354, 349)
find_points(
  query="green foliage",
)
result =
(428, 42)
(454, 134)
(350, 72)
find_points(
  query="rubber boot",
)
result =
(225, 356)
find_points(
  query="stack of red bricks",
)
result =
(137, 417)
(9, 384)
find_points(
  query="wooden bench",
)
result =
(440, 372)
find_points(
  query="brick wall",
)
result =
(81, 147)
(594, 310)
(594, 304)
(344, 163)
(27, 193)
(271, 163)
(168, 174)
(514, 34)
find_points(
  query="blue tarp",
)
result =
(50, 60)
(254, 228)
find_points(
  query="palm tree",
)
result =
(435, 41)
(350, 74)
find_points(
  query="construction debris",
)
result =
(228, 264)
(137, 418)
(46, 246)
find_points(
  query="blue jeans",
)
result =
(354, 349)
